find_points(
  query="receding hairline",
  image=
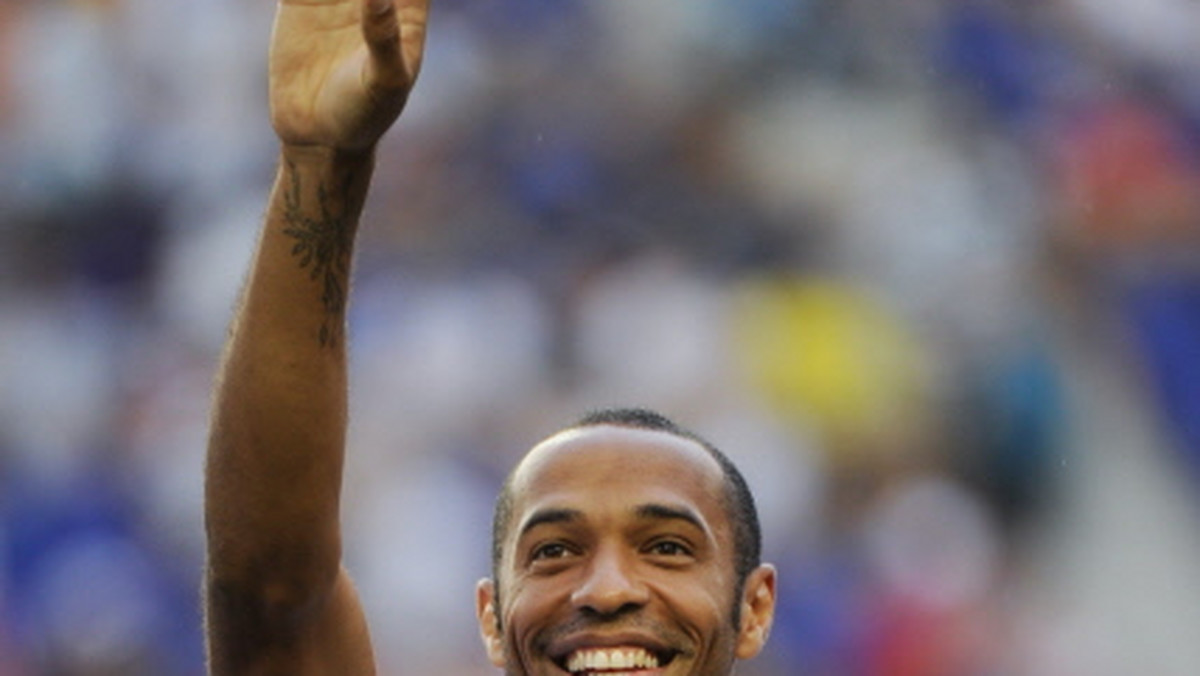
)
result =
(562, 441)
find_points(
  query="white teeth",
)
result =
(614, 658)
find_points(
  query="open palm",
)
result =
(341, 70)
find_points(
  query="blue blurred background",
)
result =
(927, 268)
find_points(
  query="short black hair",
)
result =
(739, 502)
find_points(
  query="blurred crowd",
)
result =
(927, 269)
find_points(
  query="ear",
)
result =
(489, 621)
(758, 611)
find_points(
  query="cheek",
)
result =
(530, 608)
(704, 603)
(704, 610)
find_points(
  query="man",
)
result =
(622, 545)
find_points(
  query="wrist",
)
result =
(325, 184)
(318, 155)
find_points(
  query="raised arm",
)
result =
(277, 598)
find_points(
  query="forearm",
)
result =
(276, 449)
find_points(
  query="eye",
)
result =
(670, 548)
(549, 550)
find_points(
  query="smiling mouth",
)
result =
(613, 661)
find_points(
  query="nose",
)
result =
(610, 585)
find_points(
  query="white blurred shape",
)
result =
(419, 541)
(433, 357)
(204, 267)
(653, 333)
(1163, 31)
(57, 369)
(931, 540)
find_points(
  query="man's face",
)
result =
(619, 560)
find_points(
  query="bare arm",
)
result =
(277, 599)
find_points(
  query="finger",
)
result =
(381, 31)
(395, 36)
(414, 17)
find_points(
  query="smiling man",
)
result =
(625, 545)
(622, 545)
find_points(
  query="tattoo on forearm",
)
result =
(323, 245)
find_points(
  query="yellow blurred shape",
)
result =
(826, 355)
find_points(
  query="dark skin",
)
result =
(651, 576)
(277, 598)
(621, 541)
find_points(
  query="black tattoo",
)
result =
(323, 245)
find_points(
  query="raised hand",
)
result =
(341, 70)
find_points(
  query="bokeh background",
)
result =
(926, 268)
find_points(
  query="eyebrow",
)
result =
(549, 516)
(658, 512)
(649, 512)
